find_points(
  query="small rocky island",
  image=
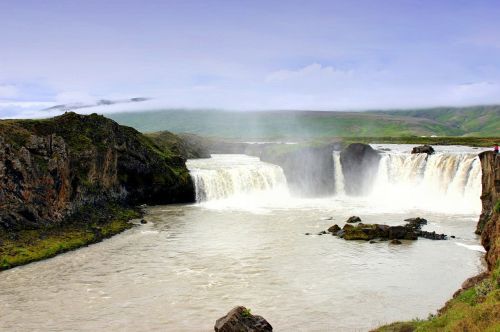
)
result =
(370, 232)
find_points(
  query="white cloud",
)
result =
(312, 70)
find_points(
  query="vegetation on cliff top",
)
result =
(481, 121)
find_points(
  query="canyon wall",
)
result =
(51, 169)
(489, 221)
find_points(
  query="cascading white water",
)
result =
(225, 176)
(339, 176)
(445, 181)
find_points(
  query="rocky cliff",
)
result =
(489, 221)
(52, 169)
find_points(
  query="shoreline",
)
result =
(28, 246)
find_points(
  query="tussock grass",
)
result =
(476, 309)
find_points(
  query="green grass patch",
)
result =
(474, 309)
(33, 245)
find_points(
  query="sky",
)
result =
(249, 55)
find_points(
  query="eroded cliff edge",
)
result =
(489, 221)
(78, 173)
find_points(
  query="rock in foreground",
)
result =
(239, 319)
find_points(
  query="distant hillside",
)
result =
(483, 121)
(469, 121)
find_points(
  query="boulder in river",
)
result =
(423, 149)
(353, 219)
(416, 223)
(334, 229)
(240, 319)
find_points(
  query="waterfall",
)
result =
(225, 176)
(339, 176)
(443, 181)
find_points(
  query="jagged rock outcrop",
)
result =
(239, 319)
(50, 169)
(489, 221)
(359, 165)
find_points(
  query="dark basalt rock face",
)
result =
(239, 319)
(488, 225)
(359, 165)
(51, 169)
(309, 171)
(423, 149)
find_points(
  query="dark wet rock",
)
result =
(239, 319)
(453, 236)
(340, 233)
(353, 219)
(410, 231)
(359, 166)
(416, 223)
(143, 221)
(395, 241)
(423, 149)
(373, 241)
(308, 234)
(329, 218)
(334, 229)
(401, 232)
(432, 235)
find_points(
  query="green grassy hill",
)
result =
(469, 121)
(472, 121)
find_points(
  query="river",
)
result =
(244, 243)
